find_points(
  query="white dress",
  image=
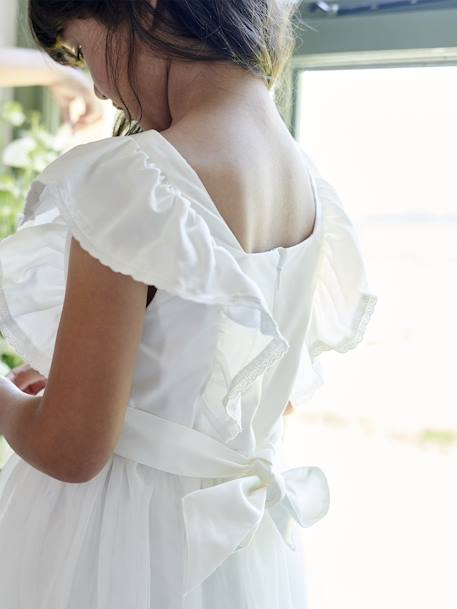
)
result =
(192, 510)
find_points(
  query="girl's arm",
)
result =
(30, 67)
(71, 431)
(18, 419)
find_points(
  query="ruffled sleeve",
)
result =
(120, 206)
(343, 301)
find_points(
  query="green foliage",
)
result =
(9, 357)
(441, 437)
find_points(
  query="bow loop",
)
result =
(271, 478)
(224, 518)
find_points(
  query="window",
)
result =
(384, 427)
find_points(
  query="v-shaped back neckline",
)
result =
(279, 250)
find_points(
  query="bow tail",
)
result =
(307, 500)
(218, 521)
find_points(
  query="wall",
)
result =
(416, 29)
(8, 20)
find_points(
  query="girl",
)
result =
(174, 285)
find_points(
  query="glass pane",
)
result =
(384, 426)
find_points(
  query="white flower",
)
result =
(12, 112)
(4, 369)
(16, 118)
(43, 161)
(16, 153)
(44, 138)
(62, 136)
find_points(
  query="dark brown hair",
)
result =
(255, 34)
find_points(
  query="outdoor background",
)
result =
(383, 428)
(372, 99)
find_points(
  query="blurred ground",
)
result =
(389, 539)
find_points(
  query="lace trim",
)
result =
(273, 352)
(366, 306)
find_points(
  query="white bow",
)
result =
(222, 518)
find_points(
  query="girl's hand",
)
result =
(27, 379)
(75, 84)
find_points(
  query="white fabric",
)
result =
(192, 510)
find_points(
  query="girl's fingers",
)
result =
(34, 388)
(24, 375)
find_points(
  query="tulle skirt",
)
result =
(117, 542)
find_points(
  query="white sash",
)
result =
(223, 518)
